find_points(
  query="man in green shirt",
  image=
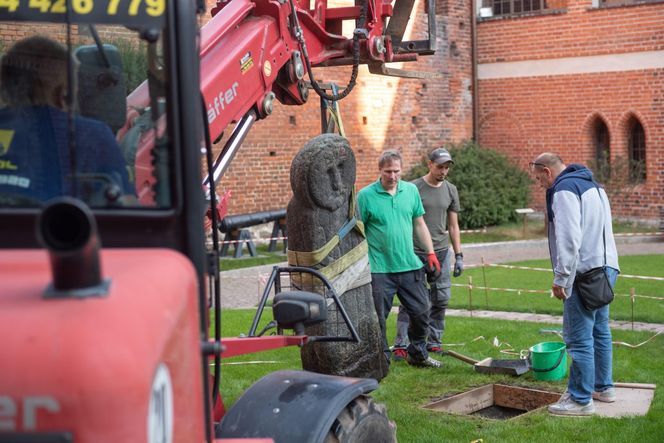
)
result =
(440, 199)
(392, 211)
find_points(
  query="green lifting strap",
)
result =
(312, 258)
(345, 261)
(335, 268)
(335, 112)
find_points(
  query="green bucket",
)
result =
(548, 360)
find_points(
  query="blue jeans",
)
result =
(588, 339)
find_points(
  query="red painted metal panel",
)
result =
(89, 364)
(249, 345)
(344, 13)
(243, 440)
(234, 74)
(222, 24)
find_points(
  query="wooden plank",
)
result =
(635, 385)
(466, 402)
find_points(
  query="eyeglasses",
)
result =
(532, 165)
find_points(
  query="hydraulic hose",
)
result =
(356, 54)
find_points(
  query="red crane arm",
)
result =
(250, 51)
(255, 51)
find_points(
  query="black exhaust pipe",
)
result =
(67, 228)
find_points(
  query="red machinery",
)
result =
(104, 307)
(253, 51)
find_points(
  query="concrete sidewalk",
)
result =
(242, 288)
(545, 318)
(505, 252)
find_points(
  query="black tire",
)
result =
(361, 421)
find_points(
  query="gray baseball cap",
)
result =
(440, 156)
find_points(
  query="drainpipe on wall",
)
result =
(473, 63)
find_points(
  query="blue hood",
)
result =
(574, 171)
(575, 178)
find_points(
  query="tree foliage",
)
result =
(490, 186)
(134, 62)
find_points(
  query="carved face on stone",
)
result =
(327, 165)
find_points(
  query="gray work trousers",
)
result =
(409, 288)
(440, 291)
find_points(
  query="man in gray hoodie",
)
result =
(580, 238)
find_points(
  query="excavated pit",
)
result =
(495, 401)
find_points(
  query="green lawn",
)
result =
(263, 257)
(646, 310)
(406, 389)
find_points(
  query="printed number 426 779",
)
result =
(154, 8)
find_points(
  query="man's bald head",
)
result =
(549, 160)
(546, 168)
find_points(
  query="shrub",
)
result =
(134, 61)
(490, 186)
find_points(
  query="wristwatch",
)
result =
(458, 254)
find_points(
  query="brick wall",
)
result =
(523, 116)
(382, 112)
(581, 30)
(12, 31)
(519, 116)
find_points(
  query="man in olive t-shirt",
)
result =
(392, 211)
(441, 202)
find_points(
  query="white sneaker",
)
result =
(424, 363)
(607, 396)
(567, 406)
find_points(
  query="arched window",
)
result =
(602, 142)
(637, 150)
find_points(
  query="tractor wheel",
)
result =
(362, 420)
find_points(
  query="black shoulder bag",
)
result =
(593, 286)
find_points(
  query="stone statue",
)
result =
(322, 178)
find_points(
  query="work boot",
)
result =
(568, 407)
(424, 363)
(399, 354)
(607, 396)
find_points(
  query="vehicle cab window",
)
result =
(79, 118)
